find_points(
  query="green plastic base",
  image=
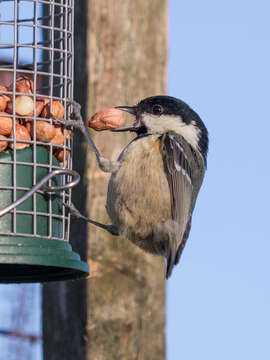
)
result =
(25, 260)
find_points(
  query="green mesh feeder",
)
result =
(34, 185)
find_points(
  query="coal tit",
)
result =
(156, 179)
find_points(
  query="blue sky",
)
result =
(219, 295)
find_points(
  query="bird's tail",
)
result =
(173, 232)
(170, 262)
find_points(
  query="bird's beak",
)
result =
(129, 109)
(133, 111)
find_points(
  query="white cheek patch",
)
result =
(161, 124)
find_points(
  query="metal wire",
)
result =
(47, 189)
(36, 41)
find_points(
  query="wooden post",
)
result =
(119, 312)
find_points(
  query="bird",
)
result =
(156, 179)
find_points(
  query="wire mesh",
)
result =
(36, 44)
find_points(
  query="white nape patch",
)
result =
(163, 123)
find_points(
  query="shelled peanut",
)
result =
(3, 98)
(3, 143)
(25, 106)
(5, 123)
(21, 134)
(106, 119)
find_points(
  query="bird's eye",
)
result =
(157, 109)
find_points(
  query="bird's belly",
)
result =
(139, 200)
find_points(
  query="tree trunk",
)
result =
(117, 313)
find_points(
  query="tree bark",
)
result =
(119, 312)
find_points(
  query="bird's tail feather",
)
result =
(170, 262)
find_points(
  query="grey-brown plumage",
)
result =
(185, 170)
(131, 199)
(152, 195)
(156, 179)
(151, 207)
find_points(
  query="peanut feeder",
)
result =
(36, 175)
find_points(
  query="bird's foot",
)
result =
(74, 212)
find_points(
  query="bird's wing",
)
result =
(179, 175)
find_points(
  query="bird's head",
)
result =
(160, 114)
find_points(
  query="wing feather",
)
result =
(180, 167)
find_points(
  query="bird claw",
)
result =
(112, 229)
(75, 118)
(76, 114)
(74, 211)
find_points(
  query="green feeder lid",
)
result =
(24, 256)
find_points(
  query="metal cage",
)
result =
(36, 63)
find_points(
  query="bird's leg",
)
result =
(112, 229)
(104, 164)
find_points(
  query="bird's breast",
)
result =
(138, 194)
